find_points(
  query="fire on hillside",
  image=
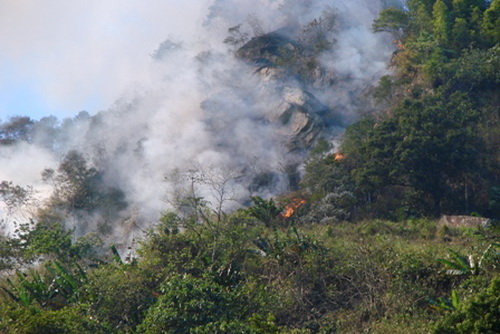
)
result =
(339, 156)
(292, 207)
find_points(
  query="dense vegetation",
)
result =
(356, 249)
(247, 274)
(435, 148)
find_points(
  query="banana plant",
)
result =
(65, 281)
(29, 287)
(459, 264)
(283, 243)
(116, 255)
(265, 211)
(447, 304)
(57, 281)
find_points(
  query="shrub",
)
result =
(198, 305)
(70, 320)
(480, 314)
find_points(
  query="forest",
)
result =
(358, 245)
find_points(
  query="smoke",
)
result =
(192, 110)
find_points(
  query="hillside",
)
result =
(327, 201)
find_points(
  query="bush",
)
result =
(70, 320)
(198, 305)
(120, 295)
(480, 314)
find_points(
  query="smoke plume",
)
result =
(190, 110)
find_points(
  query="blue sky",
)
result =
(19, 94)
(59, 57)
(22, 96)
(23, 99)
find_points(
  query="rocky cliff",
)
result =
(279, 58)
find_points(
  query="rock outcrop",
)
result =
(273, 49)
(279, 58)
(464, 221)
(300, 114)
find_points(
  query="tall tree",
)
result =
(491, 23)
(461, 34)
(441, 21)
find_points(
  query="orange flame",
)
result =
(339, 156)
(291, 208)
(398, 44)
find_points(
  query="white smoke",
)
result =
(192, 104)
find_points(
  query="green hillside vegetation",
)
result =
(435, 148)
(245, 275)
(357, 248)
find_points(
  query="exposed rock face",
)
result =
(300, 113)
(279, 58)
(271, 49)
(269, 73)
(464, 221)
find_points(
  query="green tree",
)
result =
(16, 129)
(79, 186)
(119, 295)
(441, 21)
(392, 20)
(420, 12)
(439, 145)
(491, 22)
(429, 145)
(461, 34)
(45, 238)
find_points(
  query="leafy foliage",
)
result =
(197, 305)
(79, 186)
(480, 314)
(470, 265)
(15, 130)
(430, 151)
(265, 211)
(69, 320)
(58, 286)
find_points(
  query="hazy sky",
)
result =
(63, 56)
